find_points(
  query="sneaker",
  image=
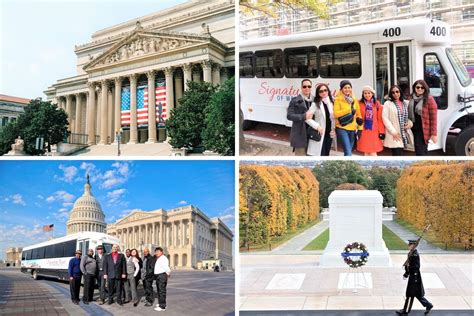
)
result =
(158, 309)
(428, 309)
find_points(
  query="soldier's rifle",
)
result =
(416, 245)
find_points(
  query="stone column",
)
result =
(110, 117)
(118, 100)
(151, 107)
(196, 74)
(78, 113)
(178, 86)
(89, 114)
(69, 112)
(207, 70)
(169, 90)
(103, 113)
(187, 72)
(216, 74)
(225, 74)
(98, 110)
(217, 244)
(133, 109)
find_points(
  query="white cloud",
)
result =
(183, 202)
(16, 199)
(116, 176)
(60, 196)
(67, 204)
(62, 214)
(69, 174)
(39, 196)
(20, 236)
(228, 217)
(114, 196)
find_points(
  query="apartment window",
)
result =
(468, 15)
(340, 60)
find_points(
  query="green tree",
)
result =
(186, 121)
(330, 174)
(220, 120)
(385, 181)
(41, 119)
(320, 8)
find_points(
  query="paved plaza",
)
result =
(267, 282)
(189, 293)
(157, 149)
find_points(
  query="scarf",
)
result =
(412, 108)
(369, 114)
(308, 101)
(348, 99)
(402, 119)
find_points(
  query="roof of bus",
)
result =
(82, 235)
(414, 24)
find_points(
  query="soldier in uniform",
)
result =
(415, 284)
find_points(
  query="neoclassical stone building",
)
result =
(159, 52)
(86, 214)
(186, 234)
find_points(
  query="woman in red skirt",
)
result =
(372, 132)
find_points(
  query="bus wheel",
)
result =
(35, 275)
(247, 124)
(464, 145)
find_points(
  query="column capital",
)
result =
(216, 66)
(187, 67)
(118, 80)
(169, 71)
(133, 78)
(91, 84)
(206, 64)
(69, 97)
(150, 74)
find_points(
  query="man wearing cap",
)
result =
(100, 259)
(75, 275)
(115, 272)
(415, 284)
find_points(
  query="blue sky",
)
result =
(37, 193)
(37, 37)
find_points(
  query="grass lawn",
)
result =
(278, 240)
(392, 241)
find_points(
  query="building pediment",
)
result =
(142, 44)
(134, 216)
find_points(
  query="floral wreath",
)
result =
(347, 254)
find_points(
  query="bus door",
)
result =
(392, 62)
(84, 246)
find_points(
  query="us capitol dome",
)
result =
(86, 214)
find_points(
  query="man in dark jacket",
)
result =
(100, 259)
(298, 112)
(415, 284)
(75, 275)
(148, 275)
(115, 272)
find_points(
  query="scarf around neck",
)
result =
(369, 114)
(415, 108)
(348, 99)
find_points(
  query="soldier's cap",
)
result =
(79, 252)
(100, 247)
(411, 241)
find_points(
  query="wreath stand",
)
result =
(355, 274)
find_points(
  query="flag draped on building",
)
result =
(48, 228)
(142, 103)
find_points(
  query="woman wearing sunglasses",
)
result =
(422, 111)
(395, 119)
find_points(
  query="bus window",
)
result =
(69, 248)
(58, 250)
(403, 69)
(269, 63)
(340, 60)
(246, 65)
(437, 80)
(107, 248)
(49, 252)
(459, 68)
(23, 255)
(381, 72)
(28, 254)
(301, 62)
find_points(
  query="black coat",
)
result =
(150, 267)
(115, 270)
(296, 113)
(415, 284)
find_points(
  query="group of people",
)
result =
(398, 124)
(122, 273)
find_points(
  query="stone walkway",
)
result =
(298, 242)
(405, 235)
(157, 149)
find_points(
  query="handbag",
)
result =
(347, 118)
(313, 134)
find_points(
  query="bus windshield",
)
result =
(459, 68)
(107, 248)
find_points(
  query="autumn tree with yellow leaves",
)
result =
(274, 200)
(440, 194)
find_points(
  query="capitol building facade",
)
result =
(131, 75)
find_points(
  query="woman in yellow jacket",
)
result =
(348, 117)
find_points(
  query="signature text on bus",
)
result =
(280, 94)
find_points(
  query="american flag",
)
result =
(48, 228)
(142, 103)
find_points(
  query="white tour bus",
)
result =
(51, 258)
(395, 52)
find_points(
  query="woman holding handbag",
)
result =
(347, 115)
(322, 123)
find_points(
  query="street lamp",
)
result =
(118, 139)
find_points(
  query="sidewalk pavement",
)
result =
(287, 282)
(157, 149)
(298, 242)
(405, 235)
